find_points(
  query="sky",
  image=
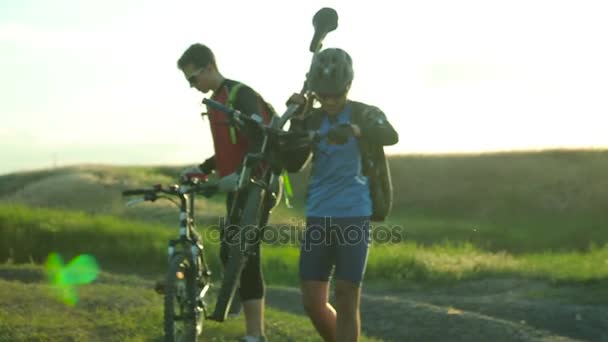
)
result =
(97, 81)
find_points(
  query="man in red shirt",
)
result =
(231, 145)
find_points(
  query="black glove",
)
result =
(208, 166)
(339, 134)
(304, 104)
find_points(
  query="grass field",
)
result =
(29, 235)
(115, 308)
(537, 216)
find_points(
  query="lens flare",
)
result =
(81, 270)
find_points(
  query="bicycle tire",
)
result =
(237, 258)
(180, 294)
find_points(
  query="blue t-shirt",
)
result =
(337, 186)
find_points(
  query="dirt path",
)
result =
(485, 310)
(488, 310)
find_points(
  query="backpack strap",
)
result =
(230, 104)
(287, 190)
(271, 112)
(357, 112)
(357, 118)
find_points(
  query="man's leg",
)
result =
(254, 308)
(226, 238)
(254, 317)
(251, 292)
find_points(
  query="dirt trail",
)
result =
(488, 310)
(485, 310)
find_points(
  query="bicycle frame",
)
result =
(192, 245)
(248, 205)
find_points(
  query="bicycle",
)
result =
(188, 277)
(257, 192)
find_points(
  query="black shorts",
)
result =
(340, 242)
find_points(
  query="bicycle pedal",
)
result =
(159, 287)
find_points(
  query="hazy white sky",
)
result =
(96, 81)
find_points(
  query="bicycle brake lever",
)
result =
(133, 202)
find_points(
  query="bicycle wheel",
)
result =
(238, 249)
(181, 317)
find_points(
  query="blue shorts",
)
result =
(342, 242)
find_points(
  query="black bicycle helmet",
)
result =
(331, 72)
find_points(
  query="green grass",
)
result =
(14, 182)
(520, 202)
(514, 235)
(30, 312)
(529, 214)
(28, 234)
(114, 308)
(453, 262)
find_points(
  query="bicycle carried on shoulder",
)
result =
(258, 191)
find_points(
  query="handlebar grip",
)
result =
(134, 192)
(218, 106)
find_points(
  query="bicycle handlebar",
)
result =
(175, 190)
(134, 192)
(239, 116)
(234, 114)
(297, 138)
(218, 106)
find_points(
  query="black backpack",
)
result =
(376, 168)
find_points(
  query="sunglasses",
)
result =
(327, 97)
(192, 78)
